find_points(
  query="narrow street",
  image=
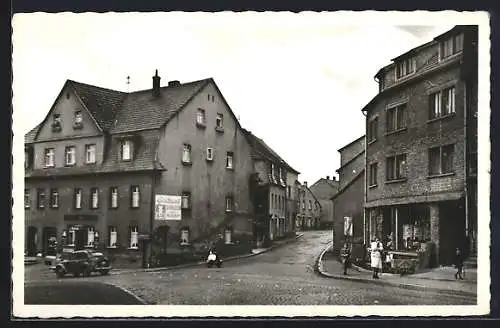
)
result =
(282, 276)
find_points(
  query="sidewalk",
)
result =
(440, 279)
(255, 251)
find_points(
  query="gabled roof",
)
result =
(324, 189)
(261, 150)
(351, 143)
(102, 103)
(140, 110)
(30, 136)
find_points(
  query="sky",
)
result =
(298, 81)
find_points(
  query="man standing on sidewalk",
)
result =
(376, 257)
(346, 255)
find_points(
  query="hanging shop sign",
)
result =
(168, 207)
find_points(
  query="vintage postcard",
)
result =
(251, 164)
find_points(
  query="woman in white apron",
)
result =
(376, 257)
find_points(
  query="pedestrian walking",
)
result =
(376, 257)
(459, 264)
(346, 254)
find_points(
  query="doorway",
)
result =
(48, 235)
(31, 241)
(80, 235)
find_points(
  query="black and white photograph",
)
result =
(251, 164)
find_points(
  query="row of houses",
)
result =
(411, 180)
(95, 163)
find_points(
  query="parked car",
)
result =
(81, 263)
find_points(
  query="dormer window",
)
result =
(451, 46)
(78, 120)
(126, 150)
(56, 123)
(405, 67)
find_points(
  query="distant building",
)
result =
(348, 202)
(323, 190)
(273, 192)
(421, 158)
(310, 211)
(94, 165)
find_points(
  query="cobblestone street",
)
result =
(282, 276)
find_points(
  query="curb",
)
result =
(196, 264)
(143, 302)
(319, 270)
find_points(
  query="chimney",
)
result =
(327, 177)
(334, 179)
(174, 83)
(305, 183)
(156, 85)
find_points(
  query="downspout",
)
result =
(466, 159)
(365, 184)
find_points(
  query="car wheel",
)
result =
(59, 273)
(105, 272)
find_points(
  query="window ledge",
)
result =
(442, 117)
(133, 248)
(92, 163)
(49, 166)
(230, 168)
(187, 163)
(111, 247)
(219, 129)
(229, 211)
(372, 186)
(396, 131)
(54, 207)
(201, 125)
(396, 181)
(69, 165)
(372, 141)
(440, 175)
(184, 244)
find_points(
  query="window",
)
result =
(184, 236)
(219, 121)
(273, 171)
(372, 129)
(186, 200)
(229, 160)
(441, 160)
(373, 174)
(451, 46)
(442, 103)
(126, 150)
(27, 198)
(210, 154)
(289, 191)
(90, 236)
(113, 192)
(303, 205)
(56, 123)
(229, 204)
(70, 155)
(54, 198)
(89, 154)
(134, 237)
(135, 196)
(41, 198)
(26, 159)
(405, 67)
(201, 118)
(395, 167)
(396, 118)
(186, 154)
(94, 198)
(227, 235)
(78, 198)
(112, 236)
(78, 120)
(310, 205)
(49, 157)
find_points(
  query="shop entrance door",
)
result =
(47, 234)
(80, 235)
(31, 241)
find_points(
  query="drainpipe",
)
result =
(466, 159)
(365, 184)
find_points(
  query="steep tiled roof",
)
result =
(261, 150)
(102, 103)
(140, 110)
(324, 189)
(30, 136)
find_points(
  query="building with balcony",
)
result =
(421, 149)
(94, 165)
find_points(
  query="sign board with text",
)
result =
(168, 207)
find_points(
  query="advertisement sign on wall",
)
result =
(168, 207)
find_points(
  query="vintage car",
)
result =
(82, 262)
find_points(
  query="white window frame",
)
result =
(184, 236)
(438, 98)
(126, 150)
(78, 198)
(49, 158)
(229, 204)
(39, 193)
(94, 198)
(27, 198)
(219, 121)
(113, 236)
(134, 237)
(90, 152)
(229, 160)
(186, 153)
(90, 236)
(186, 200)
(54, 195)
(403, 68)
(210, 154)
(227, 236)
(78, 117)
(135, 196)
(201, 116)
(114, 197)
(70, 155)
